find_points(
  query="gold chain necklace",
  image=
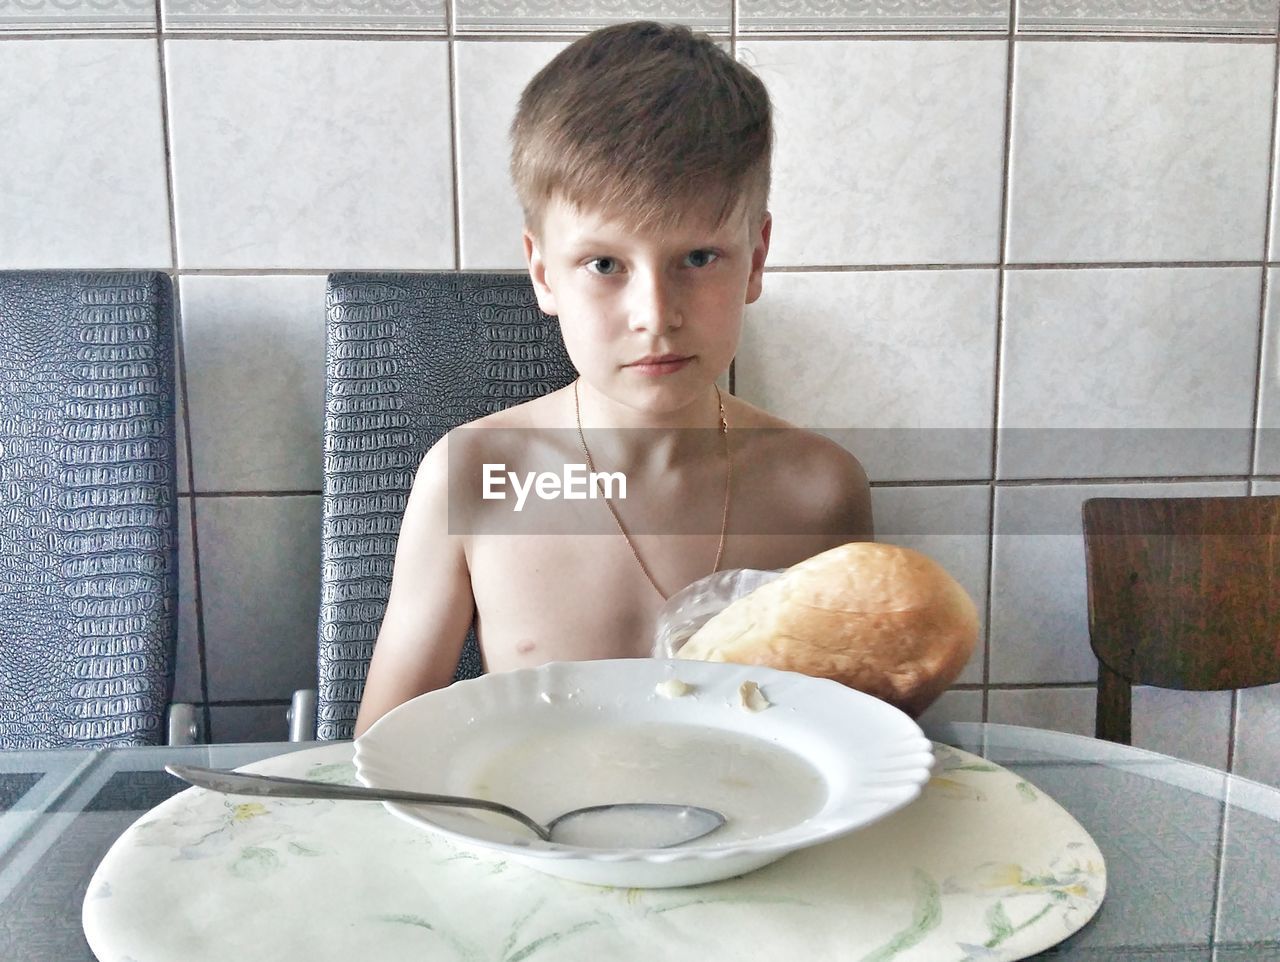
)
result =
(728, 478)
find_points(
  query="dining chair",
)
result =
(88, 500)
(408, 357)
(1183, 593)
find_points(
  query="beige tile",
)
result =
(255, 381)
(490, 79)
(1058, 709)
(1257, 753)
(260, 578)
(897, 366)
(249, 723)
(1193, 725)
(307, 16)
(1267, 449)
(187, 676)
(82, 172)
(1118, 154)
(888, 151)
(952, 706)
(579, 16)
(315, 154)
(1128, 373)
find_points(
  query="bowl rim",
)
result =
(912, 765)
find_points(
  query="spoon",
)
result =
(690, 821)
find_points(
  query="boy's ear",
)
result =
(760, 251)
(538, 273)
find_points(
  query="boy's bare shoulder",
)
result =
(810, 476)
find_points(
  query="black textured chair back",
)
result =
(1183, 593)
(88, 508)
(408, 358)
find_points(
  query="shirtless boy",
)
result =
(641, 157)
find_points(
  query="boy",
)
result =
(641, 158)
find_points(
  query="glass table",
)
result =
(1193, 854)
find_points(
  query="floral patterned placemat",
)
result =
(983, 866)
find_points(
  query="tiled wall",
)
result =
(1026, 252)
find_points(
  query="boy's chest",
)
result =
(559, 598)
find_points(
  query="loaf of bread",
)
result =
(885, 620)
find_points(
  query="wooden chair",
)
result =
(1184, 593)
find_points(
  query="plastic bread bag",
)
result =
(689, 609)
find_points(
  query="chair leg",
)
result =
(1114, 720)
(183, 726)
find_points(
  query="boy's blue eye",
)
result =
(701, 258)
(603, 265)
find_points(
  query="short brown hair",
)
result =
(646, 122)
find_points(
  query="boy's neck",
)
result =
(623, 435)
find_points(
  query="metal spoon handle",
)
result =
(274, 786)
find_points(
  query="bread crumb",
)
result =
(751, 698)
(672, 688)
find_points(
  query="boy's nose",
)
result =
(653, 306)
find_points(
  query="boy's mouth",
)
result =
(660, 363)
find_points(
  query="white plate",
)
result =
(872, 758)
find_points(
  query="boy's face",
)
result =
(649, 319)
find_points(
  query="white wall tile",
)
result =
(950, 525)
(248, 723)
(303, 16)
(183, 453)
(952, 706)
(888, 152)
(563, 16)
(255, 353)
(260, 577)
(311, 154)
(1257, 753)
(490, 79)
(82, 179)
(1058, 709)
(186, 684)
(897, 366)
(1139, 151)
(1155, 363)
(1039, 607)
(1195, 725)
(837, 16)
(1267, 451)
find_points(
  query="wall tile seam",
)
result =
(442, 36)
(166, 131)
(233, 272)
(997, 365)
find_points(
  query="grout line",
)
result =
(427, 34)
(1040, 686)
(180, 351)
(455, 141)
(824, 269)
(197, 495)
(1012, 265)
(1233, 729)
(1001, 254)
(1267, 241)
